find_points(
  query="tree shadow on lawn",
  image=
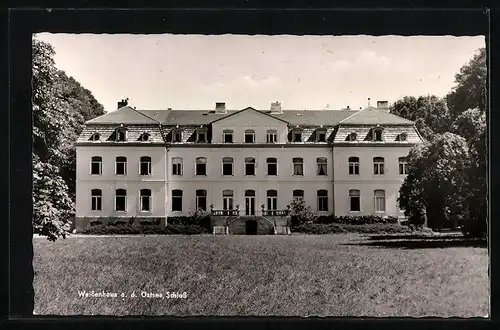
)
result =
(421, 242)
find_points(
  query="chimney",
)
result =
(220, 107)
(122, 103)
(383, 105)
(276, 107)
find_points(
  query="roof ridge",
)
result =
(340, 122)
(143, 114)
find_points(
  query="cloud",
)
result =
(259, 83)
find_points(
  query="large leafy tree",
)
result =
(437, 182)
(470, 90)
(430, 114)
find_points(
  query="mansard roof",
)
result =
(368, 116)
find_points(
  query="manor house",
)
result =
(162, 163)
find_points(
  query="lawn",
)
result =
(302, 275)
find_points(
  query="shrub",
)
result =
(301, 212)
(148, 229)
(197, 218)
(355, 220)
(185, 229)
(338, 228)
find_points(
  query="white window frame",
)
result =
(141, 201)
(204, 132)
(228, 200)
(117, 134)
(318, 198)
(272, 200)
(379, 165)
(249, 132)
(353, 165)
(353, 136)
(298, 197)
(148, 164)
(271, 136)
(374, 134)
(178, 163)
(121, 162)
(96, 198)
(198, 199)
(100, 165)
(250, 161)
(377, 200)
(93, 137)
(232, 166)
(301, 163)
(404, 162)
(269, 163)
(227, 132)
(318, 132)
(177, 132)
(181, 197)
(297, 131)
(115, 200)
(350, 200)
(199, 161)
(144, 137)
(321, 161)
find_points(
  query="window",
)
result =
(377, 134)
(227, 166)
(145, 200)
(96, 165)
(227, 199)
(144, 137)
(297, 194)
(378, 165)
(321, 135)
(249, 166)
(353, 165)
(352, 137)
(227, 136)
(176, 166)
(379, 200)
(297, 135)
(176, 136)
(121, 165)
(322, 200)
(403, 165)
(201, 200)
(95, 137)
(201, 166)
(120, 200)
(272, 166)
(176, 200)
(145, 165)
(298, 166)
(271, 136)
(354, 199)
(121, 135)
(201, 136)
(402, 137)
(96, 197)
(322, 163)
(249, 136)
(272, 200)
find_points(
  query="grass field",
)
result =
(303, 275)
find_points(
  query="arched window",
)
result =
(121, 165)
(120, 200)
(378, 165)
(176, 200)
(249, 166)
(403, 137)
(379, 196)
(177, 166)
(227, 199)
(96, 197)
(272, 166)
(96, 165)
(144, 137)
(298, 193)
(176, 135)
(120, 134)
(272, 199)
(201, 199)
(322, 200)
(145, 200)
(95, 137)
(403, 165)
(354, 165)
(298, 166)
(201, 166)
(145, 165)
(249, 136)
(355, 200)
(249, 193)
(352, 136)
(227, 136)
(322, 166)
(377, 134)
(227, 166)
(271, 136)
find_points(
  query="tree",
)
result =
(301, 211)
(430, 114)
(437, 182)
(470, 89)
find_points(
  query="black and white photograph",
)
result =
(260, 175)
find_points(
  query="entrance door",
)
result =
(251, 227)
(250, 202)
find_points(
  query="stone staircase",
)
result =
(241, 225)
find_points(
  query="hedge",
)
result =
(127, 229)
(351, 220)
(339, 228)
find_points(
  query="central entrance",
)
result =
(251, 227)
(249, 202)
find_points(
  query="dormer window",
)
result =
(249, 136)
(144, 137)
(297, 135)
(402, 137)
(201, 136)
(121, 135)
(95, 137)
(227, 136)
(321, 135)
(177, 136)
(377, 134)
(352, 137)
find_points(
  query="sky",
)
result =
(302, 72)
